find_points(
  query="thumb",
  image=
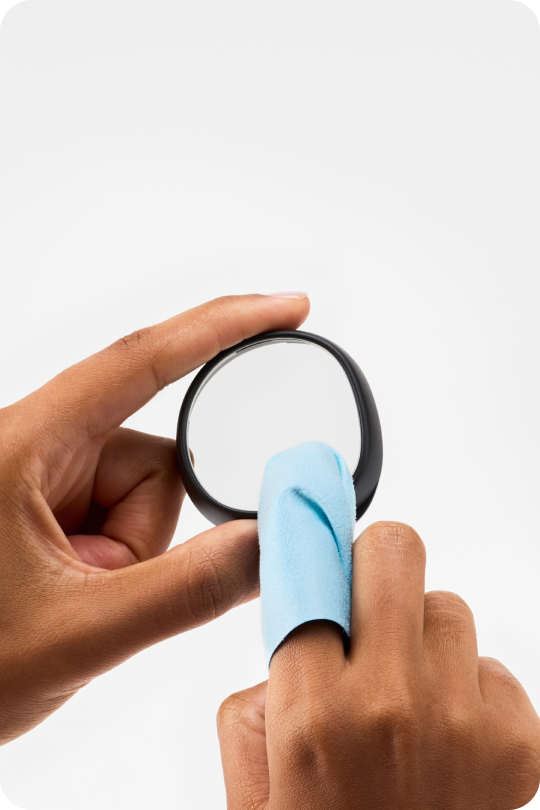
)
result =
(118, 613)
(242, 739)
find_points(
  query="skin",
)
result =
(410, 719)
(88, 510)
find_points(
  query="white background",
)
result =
(381, 154)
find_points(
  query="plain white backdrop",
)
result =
(381, 154)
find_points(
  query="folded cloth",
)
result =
(306, 521)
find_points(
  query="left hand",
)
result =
(87, 509)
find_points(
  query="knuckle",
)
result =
(392, 717)
(163, 458)
(8, 429)
(390, 726)
(456, 727)
(396, 536)
(299, 749)
(237, 711)
(494, 670)
(225, 302)
(11, 419)
(137, 341)
(309, 719)
(140, 346)
(390, 699)
(229, 716)
(207, 595)
(23, 438)
(310, 733)
(515, 732)
(521, 751)
(519, 767)
(316, 716)
(445, 607)
(227, 713)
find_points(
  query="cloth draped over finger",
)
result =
(306, 523)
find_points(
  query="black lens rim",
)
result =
(368, 471)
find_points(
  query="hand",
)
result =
(411, 719)
(87, 510)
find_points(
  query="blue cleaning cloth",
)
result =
(306, 520)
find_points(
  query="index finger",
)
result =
(96, 395)
(387, 616)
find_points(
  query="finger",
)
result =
(389, 562)
(499, 687)
(135, 502)
(313, 649)
(305, 672)
(99, 393)
(109, 616)
(516, 728)
(242, 740)
(305, 685)
(450, 647)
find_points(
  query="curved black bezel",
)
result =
(368, 471)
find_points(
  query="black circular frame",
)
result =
(368, 471)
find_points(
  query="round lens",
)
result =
(264, 399)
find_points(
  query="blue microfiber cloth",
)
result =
(306, 519)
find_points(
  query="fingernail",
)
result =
(287, 295)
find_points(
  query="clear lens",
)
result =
(266, 399)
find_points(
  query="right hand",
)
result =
(411, 719)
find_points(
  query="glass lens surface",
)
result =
(265, 400)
